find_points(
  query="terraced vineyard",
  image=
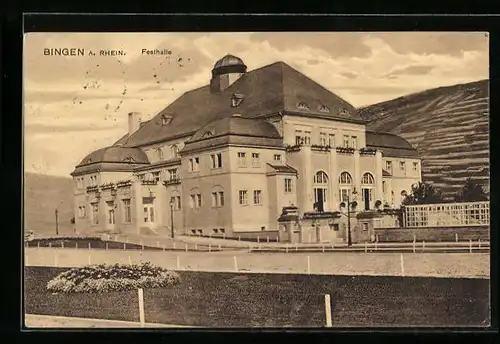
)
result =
(449, 128)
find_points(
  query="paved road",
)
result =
(333, 263)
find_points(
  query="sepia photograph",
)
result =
(256, 180)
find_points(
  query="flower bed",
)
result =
(108, 278)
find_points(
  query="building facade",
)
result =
(226, 158)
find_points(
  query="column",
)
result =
(356, 177)
(379, 193)
(308, 176)
(334, 181)
(136, 205)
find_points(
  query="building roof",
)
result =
(283, 168)
(229, 60)
(112, 159)
(390, 144)
(268, 90)
(236, 125)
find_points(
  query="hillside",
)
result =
(43, 194)
(449, 128)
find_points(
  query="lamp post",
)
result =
(57, 224)
(349, 239)
(172, 216)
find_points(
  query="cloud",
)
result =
(74, 105)
(441, 43)
(410, 70)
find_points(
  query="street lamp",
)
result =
(349, 239)
(172, 216)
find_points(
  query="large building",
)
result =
(227, 157)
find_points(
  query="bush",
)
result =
(107, 278)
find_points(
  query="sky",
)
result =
(76, 104)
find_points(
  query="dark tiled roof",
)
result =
(237, 126)
(111, 159)
(385, 173)
(390, 144)
(268, 90)
(283, 168)
(115, 154)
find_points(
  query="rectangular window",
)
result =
(346, 141)
(354, 141)
(288, 185)
(221, 199)
(331, 140)
(196, 164)
(299, 139)
(322, 139)
(192, 201)
(388, 166)
(178, 202)
(141, 176)
(216, 160)
(365, 226)
(307, 138)
(242, 159)
(191, 165)
(95, 213)
(402, 167)
(255, 160)
(127, 211)
(257, 195)
(383, 187)
(219, 160)
(172, 174)
(243, 197)
(277, 157)
(149, 211)
(156, 176)
(344, 195)
(198, 202)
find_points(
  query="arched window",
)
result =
(367, 179)
(345, 178)
(175, 151)
(320, 178)
(159, 154)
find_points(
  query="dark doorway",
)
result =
(366, 196)
(320, 201)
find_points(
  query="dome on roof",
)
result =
(229, 60)
(239, 126)
(116, 154)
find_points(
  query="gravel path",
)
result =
(472, 265)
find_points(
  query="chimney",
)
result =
(134, 122)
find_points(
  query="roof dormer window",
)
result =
(89, 161)
(207, 134)
(303, 105)
(324, 108)
(165, 120)
(128, 159)
(236, 99)
(344, 112)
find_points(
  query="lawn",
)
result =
(277, 300)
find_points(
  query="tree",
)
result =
(471, 192)
(423, 193)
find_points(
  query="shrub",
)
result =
(107, 278)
